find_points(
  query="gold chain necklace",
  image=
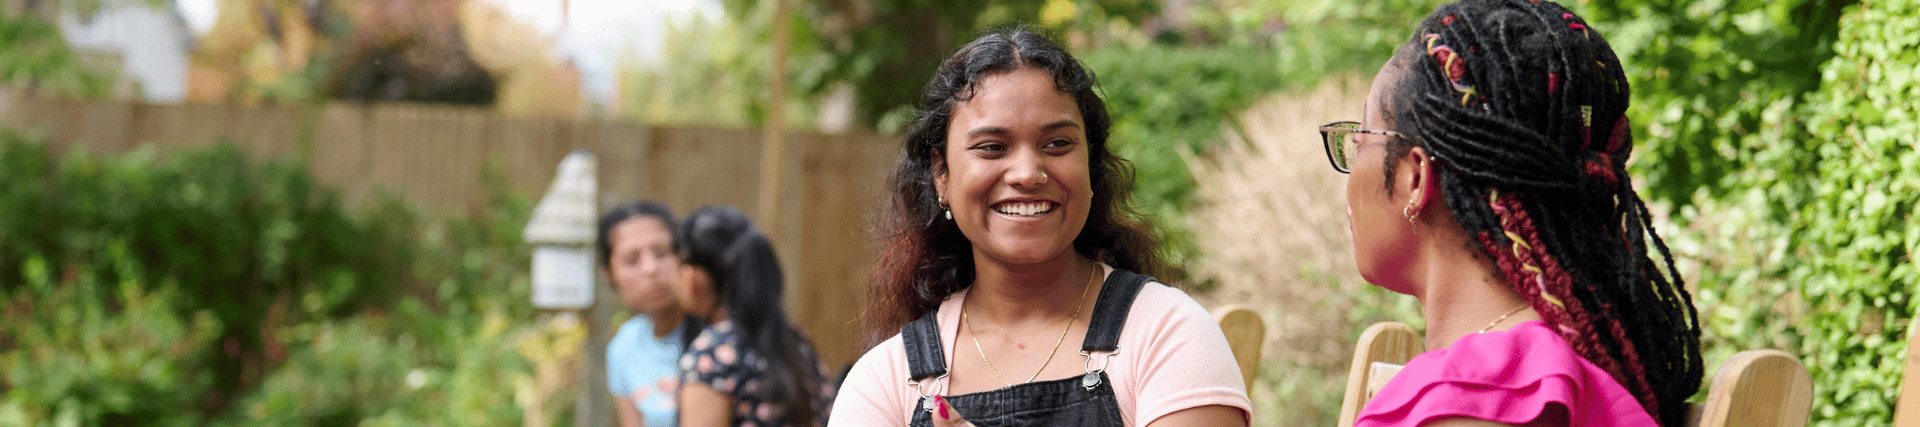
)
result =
(1489, 324)
(1056, 341)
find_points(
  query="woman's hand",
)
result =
(945, 416)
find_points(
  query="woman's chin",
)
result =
(1027, 253)
(1395, 288)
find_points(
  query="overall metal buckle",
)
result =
(1092, 378)
(926, 399)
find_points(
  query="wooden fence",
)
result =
(434, 156)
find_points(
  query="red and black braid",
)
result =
(1547, 287)
(1523, 106)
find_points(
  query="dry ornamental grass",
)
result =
(1271, 222)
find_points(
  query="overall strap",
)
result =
(925, 357)
(1110, 310)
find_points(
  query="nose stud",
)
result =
(1044, 177)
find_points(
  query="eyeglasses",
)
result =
(1341, 147)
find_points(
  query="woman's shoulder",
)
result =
(1509, 376)
(1166, 322)
(636, 324)
(630, 331)
(1158, 300)
(714, 335)
(875, 391)
(888, 357)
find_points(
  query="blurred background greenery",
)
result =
(1776, 140)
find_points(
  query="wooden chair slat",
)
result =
(1759, 388)
(1907, 413)
(1754, 388)
(1387, 343)
(1246, 334)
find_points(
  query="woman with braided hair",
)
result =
(1489, 181)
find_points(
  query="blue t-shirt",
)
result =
(643, 367)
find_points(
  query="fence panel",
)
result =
(433, 156)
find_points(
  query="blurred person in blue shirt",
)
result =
(636, 247)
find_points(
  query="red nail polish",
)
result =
(942, 402)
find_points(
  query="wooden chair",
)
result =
(1759, 388)
(1907, 413)
(1754, 388)
(1246, 333)
(1383, 347)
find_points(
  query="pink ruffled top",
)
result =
(1505, 376)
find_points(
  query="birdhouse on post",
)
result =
(562, 231)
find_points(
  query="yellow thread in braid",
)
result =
(1519, 243)
(1555, 301)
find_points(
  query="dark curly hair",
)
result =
(923, 259)
(1523, 106)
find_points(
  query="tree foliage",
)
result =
(35, 58)
(1779, 135)
(713, 71)
(1706, 76)
(886, 50)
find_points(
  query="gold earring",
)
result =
(1410, 213)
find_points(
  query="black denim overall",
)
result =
(1085, 400)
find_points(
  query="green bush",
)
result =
(1154, 127)
(1157, 129)
(202, 288)
(94, 349)
(1172, 102)
(440, 354)
(1855, 240)
(355, 371)
(254, 246)
(1780, 134)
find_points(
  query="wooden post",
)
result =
(773, 133)
(595, 408)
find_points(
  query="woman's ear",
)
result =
(940, 179)
(1418, 179)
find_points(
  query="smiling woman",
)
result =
(1009, 231)
(1016, 169)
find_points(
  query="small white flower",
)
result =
(416, 378)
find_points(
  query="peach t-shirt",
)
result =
(1172, 356)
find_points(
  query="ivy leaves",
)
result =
(1779, 135)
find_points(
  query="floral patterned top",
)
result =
(716, 358)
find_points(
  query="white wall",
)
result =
(152, 44)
